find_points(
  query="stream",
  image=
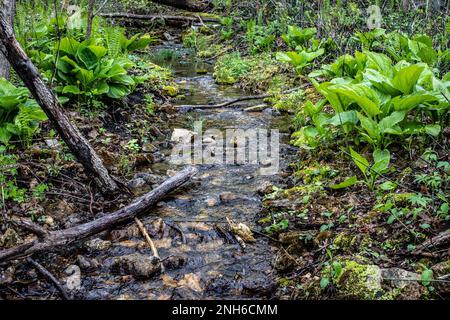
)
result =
(201, 259)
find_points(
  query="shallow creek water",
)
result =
(201, 262)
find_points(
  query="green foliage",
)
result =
(371, 96)
(417, 49)
(227, 31)
(297, 37)
(307, 48)
(85, 69)
(230, 67)
(90, 70)
(278, 226)
(299, 60)
(426, 277)
(19, 115)
(260, 38)
(370, 39)
(196, 40)
(372, 172)
(8, 173)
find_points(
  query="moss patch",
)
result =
(359, 281)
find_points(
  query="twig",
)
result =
(149, 240)
(265, 235)
(50, 277)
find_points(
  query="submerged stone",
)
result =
(136, 264)
(97, 244)
(136, 183)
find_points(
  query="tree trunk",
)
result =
(405, 5)
(90, 18)
(8, 9)
(77, 144)
(190, 5)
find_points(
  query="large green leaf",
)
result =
(363, 95)
(346, 183)
(116, 70)
(422, 52)
(381, 82)
(380, 62)
(85, 77)
(118, 91)
(381, 159)
(99, 51)
(5, 135)
(371, 127)
(388, 124)
(409, 102)
(71, 89)
(101, 88)
(346, 117)
(68, 45)
(88, 57)
(123, 79)
(359, 160)
(406, 78)
(136, 43)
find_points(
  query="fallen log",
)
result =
(52, 239)
(231, 103)
(78, 145)
(439, 240)
(190, 5)
(151, 17)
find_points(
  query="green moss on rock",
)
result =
(359, 281)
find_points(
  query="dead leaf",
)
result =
(241, 230)
(169, 281)
(191, 281)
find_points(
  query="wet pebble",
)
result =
(265, 188)
(136, 183)
(149, 178)
(228, 196)
(261, 286)
(136, 264)
(86, 263)
(174, 262)
(271, 112)
(97, 244)
(211, 202)
(53, 143)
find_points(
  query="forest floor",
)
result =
(308, 241)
